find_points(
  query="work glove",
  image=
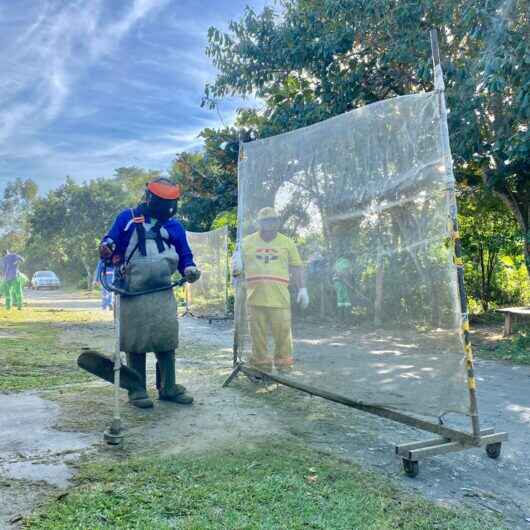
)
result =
(237, 264)
(192, 274)
(302, 298)
(106, 248)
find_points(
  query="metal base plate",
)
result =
(113, 438)
(415, 451)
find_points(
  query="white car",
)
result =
(45, 280)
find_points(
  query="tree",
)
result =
(488, 232)
(133, 180)
(209, 178)
(16, 203)
(68, 223)
(325, 57)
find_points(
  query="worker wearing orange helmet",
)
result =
(148, 246)
(267, 261)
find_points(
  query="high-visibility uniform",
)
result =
(342, 268)
(266, 267)
(12, 290)
(11, 287)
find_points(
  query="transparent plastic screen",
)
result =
(346, 275)
(207, 297)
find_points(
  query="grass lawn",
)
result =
(272, 486)
(31, 355)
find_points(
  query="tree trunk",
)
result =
(483, 297)
(490, 273)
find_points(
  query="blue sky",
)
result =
(91, 85)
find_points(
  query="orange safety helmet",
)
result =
(164, 188)
(161, 197)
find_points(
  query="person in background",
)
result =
(10, 264)
(342, 282)
(107, 298)
(267, 261)
(18, 292)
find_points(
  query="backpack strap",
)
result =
(140, 232)
(138, 221)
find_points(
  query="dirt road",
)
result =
(66, 425)
(62, 300)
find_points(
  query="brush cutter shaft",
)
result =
(117, 359)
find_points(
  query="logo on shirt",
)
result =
(266, 255)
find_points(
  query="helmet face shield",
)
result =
(161, 197)
(161, 209)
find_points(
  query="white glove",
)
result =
(192, 274)
(302, 298)
(237, 263)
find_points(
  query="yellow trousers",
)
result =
(277, 323)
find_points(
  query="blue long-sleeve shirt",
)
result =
(10, 266)
(123, 229)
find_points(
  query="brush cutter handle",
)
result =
(112, 288)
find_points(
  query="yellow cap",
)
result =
(267, 213)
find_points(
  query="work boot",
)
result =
(284, 365)
(180, 388)
(138, 397)
(263, 364)
(167, 389)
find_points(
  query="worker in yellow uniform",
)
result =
(268, 260)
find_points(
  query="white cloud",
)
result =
(91, 85)
(58, 44)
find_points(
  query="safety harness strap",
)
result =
(159, 240)
(142, 235)
(140, 232)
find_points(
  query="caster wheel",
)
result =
(411, 467)
(494, 450)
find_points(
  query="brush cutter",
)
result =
(111, 369)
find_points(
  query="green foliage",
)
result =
(67, 224)
(15, 205)
(209, 178)
(515, 349)
(133, 179)
(324, 57)
(227, 218)
(32, 356)
(492, 248)
(273, 485)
